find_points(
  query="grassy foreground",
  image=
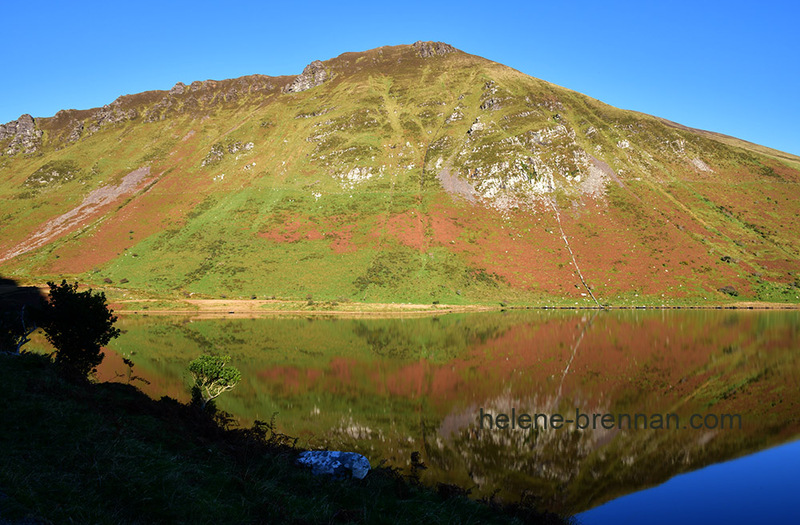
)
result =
(107, 453)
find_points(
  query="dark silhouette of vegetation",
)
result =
(78, 325)
(15, 329)
(129, 375)
(19, 306)
(94, 449)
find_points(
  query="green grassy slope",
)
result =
(403, 178)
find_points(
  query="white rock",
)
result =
(336, 463)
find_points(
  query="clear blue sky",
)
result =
(731, 67)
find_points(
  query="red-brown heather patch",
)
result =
(342, 239)
(444, 222)
(292, 380)
(409, 228)
(336, 229)
(518, 249)
(293, 231)
(783, 171)
(94, 205)
(653, 256)
(163, 205)
(782, 266)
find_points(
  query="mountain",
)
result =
(413, 173)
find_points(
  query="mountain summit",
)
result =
(413, 173)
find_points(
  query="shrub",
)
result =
(212, 377)
(77, 324)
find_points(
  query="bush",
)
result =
(77, 324)
(212, 377)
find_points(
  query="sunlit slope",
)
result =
(410, 174)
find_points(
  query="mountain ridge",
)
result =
(132, 100)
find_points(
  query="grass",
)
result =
(106, 453)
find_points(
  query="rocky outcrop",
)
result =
(476, 126)
(455, 115)
(431, 49)
(491, 103)
(217, 151)
(178, 89)
(25, 137)
(77, 131)
(313, 75)
(110, 114)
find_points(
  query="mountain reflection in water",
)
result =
(389, 387)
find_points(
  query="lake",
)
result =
(576, 408)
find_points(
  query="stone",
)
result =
(77, 131)
(178, 89)
(432, 49)
(313, 75)
(336, 463)
(491, 103)
(730, 290)
(23, 133)
(476, 126)
(454, 116)
(109, 114)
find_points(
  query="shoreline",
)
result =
(210, 308)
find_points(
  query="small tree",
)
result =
(212, 377)
(77, 324)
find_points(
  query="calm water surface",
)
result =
(389, 387)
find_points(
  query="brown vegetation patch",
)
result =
(163, 205)
(293, 231)
(292, 380)
(342, 239)
(409, 228)
(298, 229)
(445, 226)
(524, 249)
(781, 170)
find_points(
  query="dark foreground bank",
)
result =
(106, 453)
